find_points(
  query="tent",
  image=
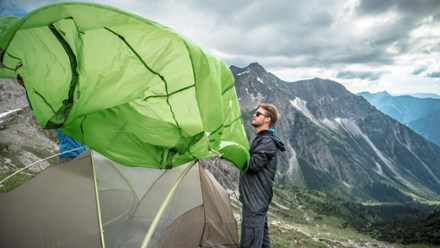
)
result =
(93, 201)
(126, 86)
(151, 102)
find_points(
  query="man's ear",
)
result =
(267, 119)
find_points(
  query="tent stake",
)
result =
(164, 205)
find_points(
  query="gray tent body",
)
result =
(95, 202)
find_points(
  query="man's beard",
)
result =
(254, 124)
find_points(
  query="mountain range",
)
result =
(338, 143)
(419, 112)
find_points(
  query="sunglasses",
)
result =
(258, 113)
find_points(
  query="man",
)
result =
(256, 184)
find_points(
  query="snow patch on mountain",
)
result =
(4, 114)
(301, 105)
(293, 162)
(379, 169)
(332, 124)
(244, 72)
(352, 128)
(260, 80)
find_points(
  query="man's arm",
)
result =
(260, 156)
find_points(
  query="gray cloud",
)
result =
(337, 35)
(311, 30)
(434, 74)
(288, 29)
(419, 70)
(371, 76)
(408, 16)
(420, 7)
(271, 28)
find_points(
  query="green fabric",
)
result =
(124, 85)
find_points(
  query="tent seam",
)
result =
(165, 156)
(227, 89)
(125, 180)
(66, 107)
(146, 66)
(18, 65)
(172, 93)
(149, 189)
(195, 90)
(44, 100)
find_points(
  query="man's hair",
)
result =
(272, 112)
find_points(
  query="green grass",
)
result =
(14, 181)
(304, 218)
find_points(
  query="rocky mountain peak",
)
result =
(22, 141)
(322, 88)
(256, 85)
(339, 143)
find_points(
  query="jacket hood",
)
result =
(280, 145)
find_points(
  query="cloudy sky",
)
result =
(367, 45)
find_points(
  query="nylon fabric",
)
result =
(56, 208)
(199, 213)
(126, 86)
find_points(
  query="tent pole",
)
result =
(164, 205)
(34, 163)
(98, 205)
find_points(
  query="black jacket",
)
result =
(256, 184)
